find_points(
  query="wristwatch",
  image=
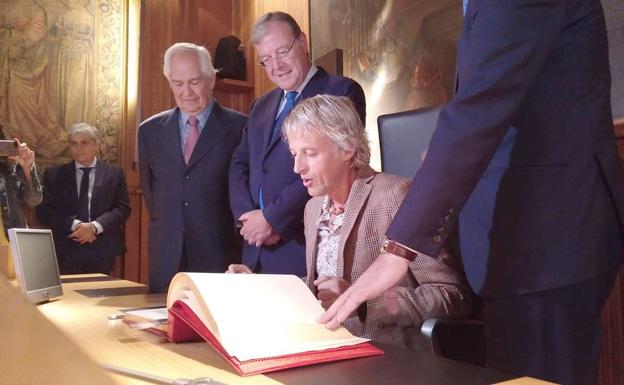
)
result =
(392, 247)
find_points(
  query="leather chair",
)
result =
(404, 138)
(461, 340)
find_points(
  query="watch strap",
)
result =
(397, 249)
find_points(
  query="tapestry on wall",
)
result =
(61, 62)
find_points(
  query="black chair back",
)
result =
(404, 138)
(461, 340)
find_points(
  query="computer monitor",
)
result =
(36, 267)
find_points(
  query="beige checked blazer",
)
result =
(433, 287)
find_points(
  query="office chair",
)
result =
(404, 139)
(461, 340)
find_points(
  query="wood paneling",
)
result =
(164, 22)
(612, 358)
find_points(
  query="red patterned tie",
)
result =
(191, 139)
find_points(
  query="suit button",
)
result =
(436, 239)
(187, 177)
(448, 218)
(186, 204)
(265, 170)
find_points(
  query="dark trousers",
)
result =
(82, 259)
(554, 335)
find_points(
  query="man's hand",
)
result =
(329, 288)
(256, 230)
(236, 268)
(25, 157)
(84, 233)
(383, 274)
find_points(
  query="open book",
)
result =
(257, 322)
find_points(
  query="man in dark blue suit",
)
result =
(267, 197)
(184, 157)
(85, 203)
(525, 154)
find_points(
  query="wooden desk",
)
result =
(84, 320)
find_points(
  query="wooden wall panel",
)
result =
(133, 228)
(612, 358)
(164, 22)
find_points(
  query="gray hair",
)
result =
(205, 60)
(259, 28)
(84, 128)
(334, 117)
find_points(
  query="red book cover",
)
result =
(184, 325)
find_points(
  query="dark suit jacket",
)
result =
(540, 66)
(109, 206)
(433, 287)
(258, 163)
(188, 204)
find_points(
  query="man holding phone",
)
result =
(8, 148)
(19, 184)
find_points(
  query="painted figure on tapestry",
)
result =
(47, 71)
(75, 61)
(26, 110)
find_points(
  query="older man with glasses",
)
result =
(266, 196)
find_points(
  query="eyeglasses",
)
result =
(280, 54)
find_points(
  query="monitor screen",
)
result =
(35, 263)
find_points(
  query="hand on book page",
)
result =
(184, 325)
(257, 315)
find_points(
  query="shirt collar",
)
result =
(202, 117)
(311, 73)
(80, 165)
(325, 218)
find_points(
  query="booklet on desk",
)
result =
(258, 322)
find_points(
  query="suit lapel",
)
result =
(316, 85)
(101, 170)
(269, 115)
(213, 132)
(357, 196)
(169, 135)
(67, 182)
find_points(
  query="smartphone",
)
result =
(8, 148)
